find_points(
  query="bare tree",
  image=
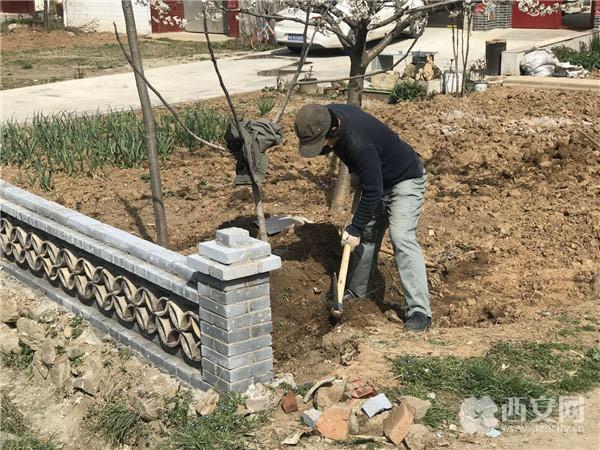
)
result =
(352, 24)
(149, 126)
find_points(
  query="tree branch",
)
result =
(421, 10)
(161, 98)
(256, 195)
(369, 74)
(305, 47)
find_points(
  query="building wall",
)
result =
(17, 6)
(597, 14)
(500, 17)
(102, 13)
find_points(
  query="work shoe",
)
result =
(349, 295)
(417, 322)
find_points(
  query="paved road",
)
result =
(195, 81)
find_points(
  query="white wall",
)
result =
(102, 13)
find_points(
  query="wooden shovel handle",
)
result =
(341, 286)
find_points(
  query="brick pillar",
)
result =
(597, 14)
(235, 309)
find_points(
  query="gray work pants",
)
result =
(400, 209)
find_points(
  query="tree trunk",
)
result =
(355, 91)
(149, 129)
(46, 13)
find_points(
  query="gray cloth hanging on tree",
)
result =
(257, 137)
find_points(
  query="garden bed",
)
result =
(508, 228)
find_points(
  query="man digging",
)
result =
(393, 182)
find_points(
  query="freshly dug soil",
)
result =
(511, 222)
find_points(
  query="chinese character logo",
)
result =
(478, 415)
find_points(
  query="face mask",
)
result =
(326, 151)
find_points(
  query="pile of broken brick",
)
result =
(338, 409)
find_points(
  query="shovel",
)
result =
(339, 284)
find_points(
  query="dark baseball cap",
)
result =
(312, 125)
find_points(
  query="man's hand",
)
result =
(353, 241)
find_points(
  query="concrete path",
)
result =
(195, 81)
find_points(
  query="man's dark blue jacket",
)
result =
(376, 155)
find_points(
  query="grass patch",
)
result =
(222, 430)
(20, 436)
(77, 325)
(20, 359)
(58, 63)
(85, 145)
(407, 90)
(264, 105)
(115, 423)
(527, 371)
(588, 55)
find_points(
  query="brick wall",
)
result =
(500, 17)
(597, 14)
(205, 318)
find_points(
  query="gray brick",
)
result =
(235, 296)
(273, 262)
(236, 335)
(233, 362)
(234, 284)
(223, 386)
(238, 347)
(265, 377)
(182, 270)
(241, 373)
(198, 263)
(226, 255)
(232, 237)
(235, 309)
(233, 323)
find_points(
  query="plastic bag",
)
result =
(539, 63)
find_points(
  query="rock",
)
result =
(363, 392)
(38, 367)
(89, 337)
(311, 416)
(289, 403)
(48, 353)
(376, 404)
(30, 333)
(9, 310)
(242, 411)
(373, 426)
(207, 403)
(147, 411)
(317, 385)
(85, 385)
(417, 406)
(283, 380)
(398, 424)
(385, 81)
(60, 373)
(353, 423)
(9, 340)
(329, 395)
(452, 427)
(419, 437)
(75, 352)
(68, 332)
(258, 404)
(12, 27)
(334, 423)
